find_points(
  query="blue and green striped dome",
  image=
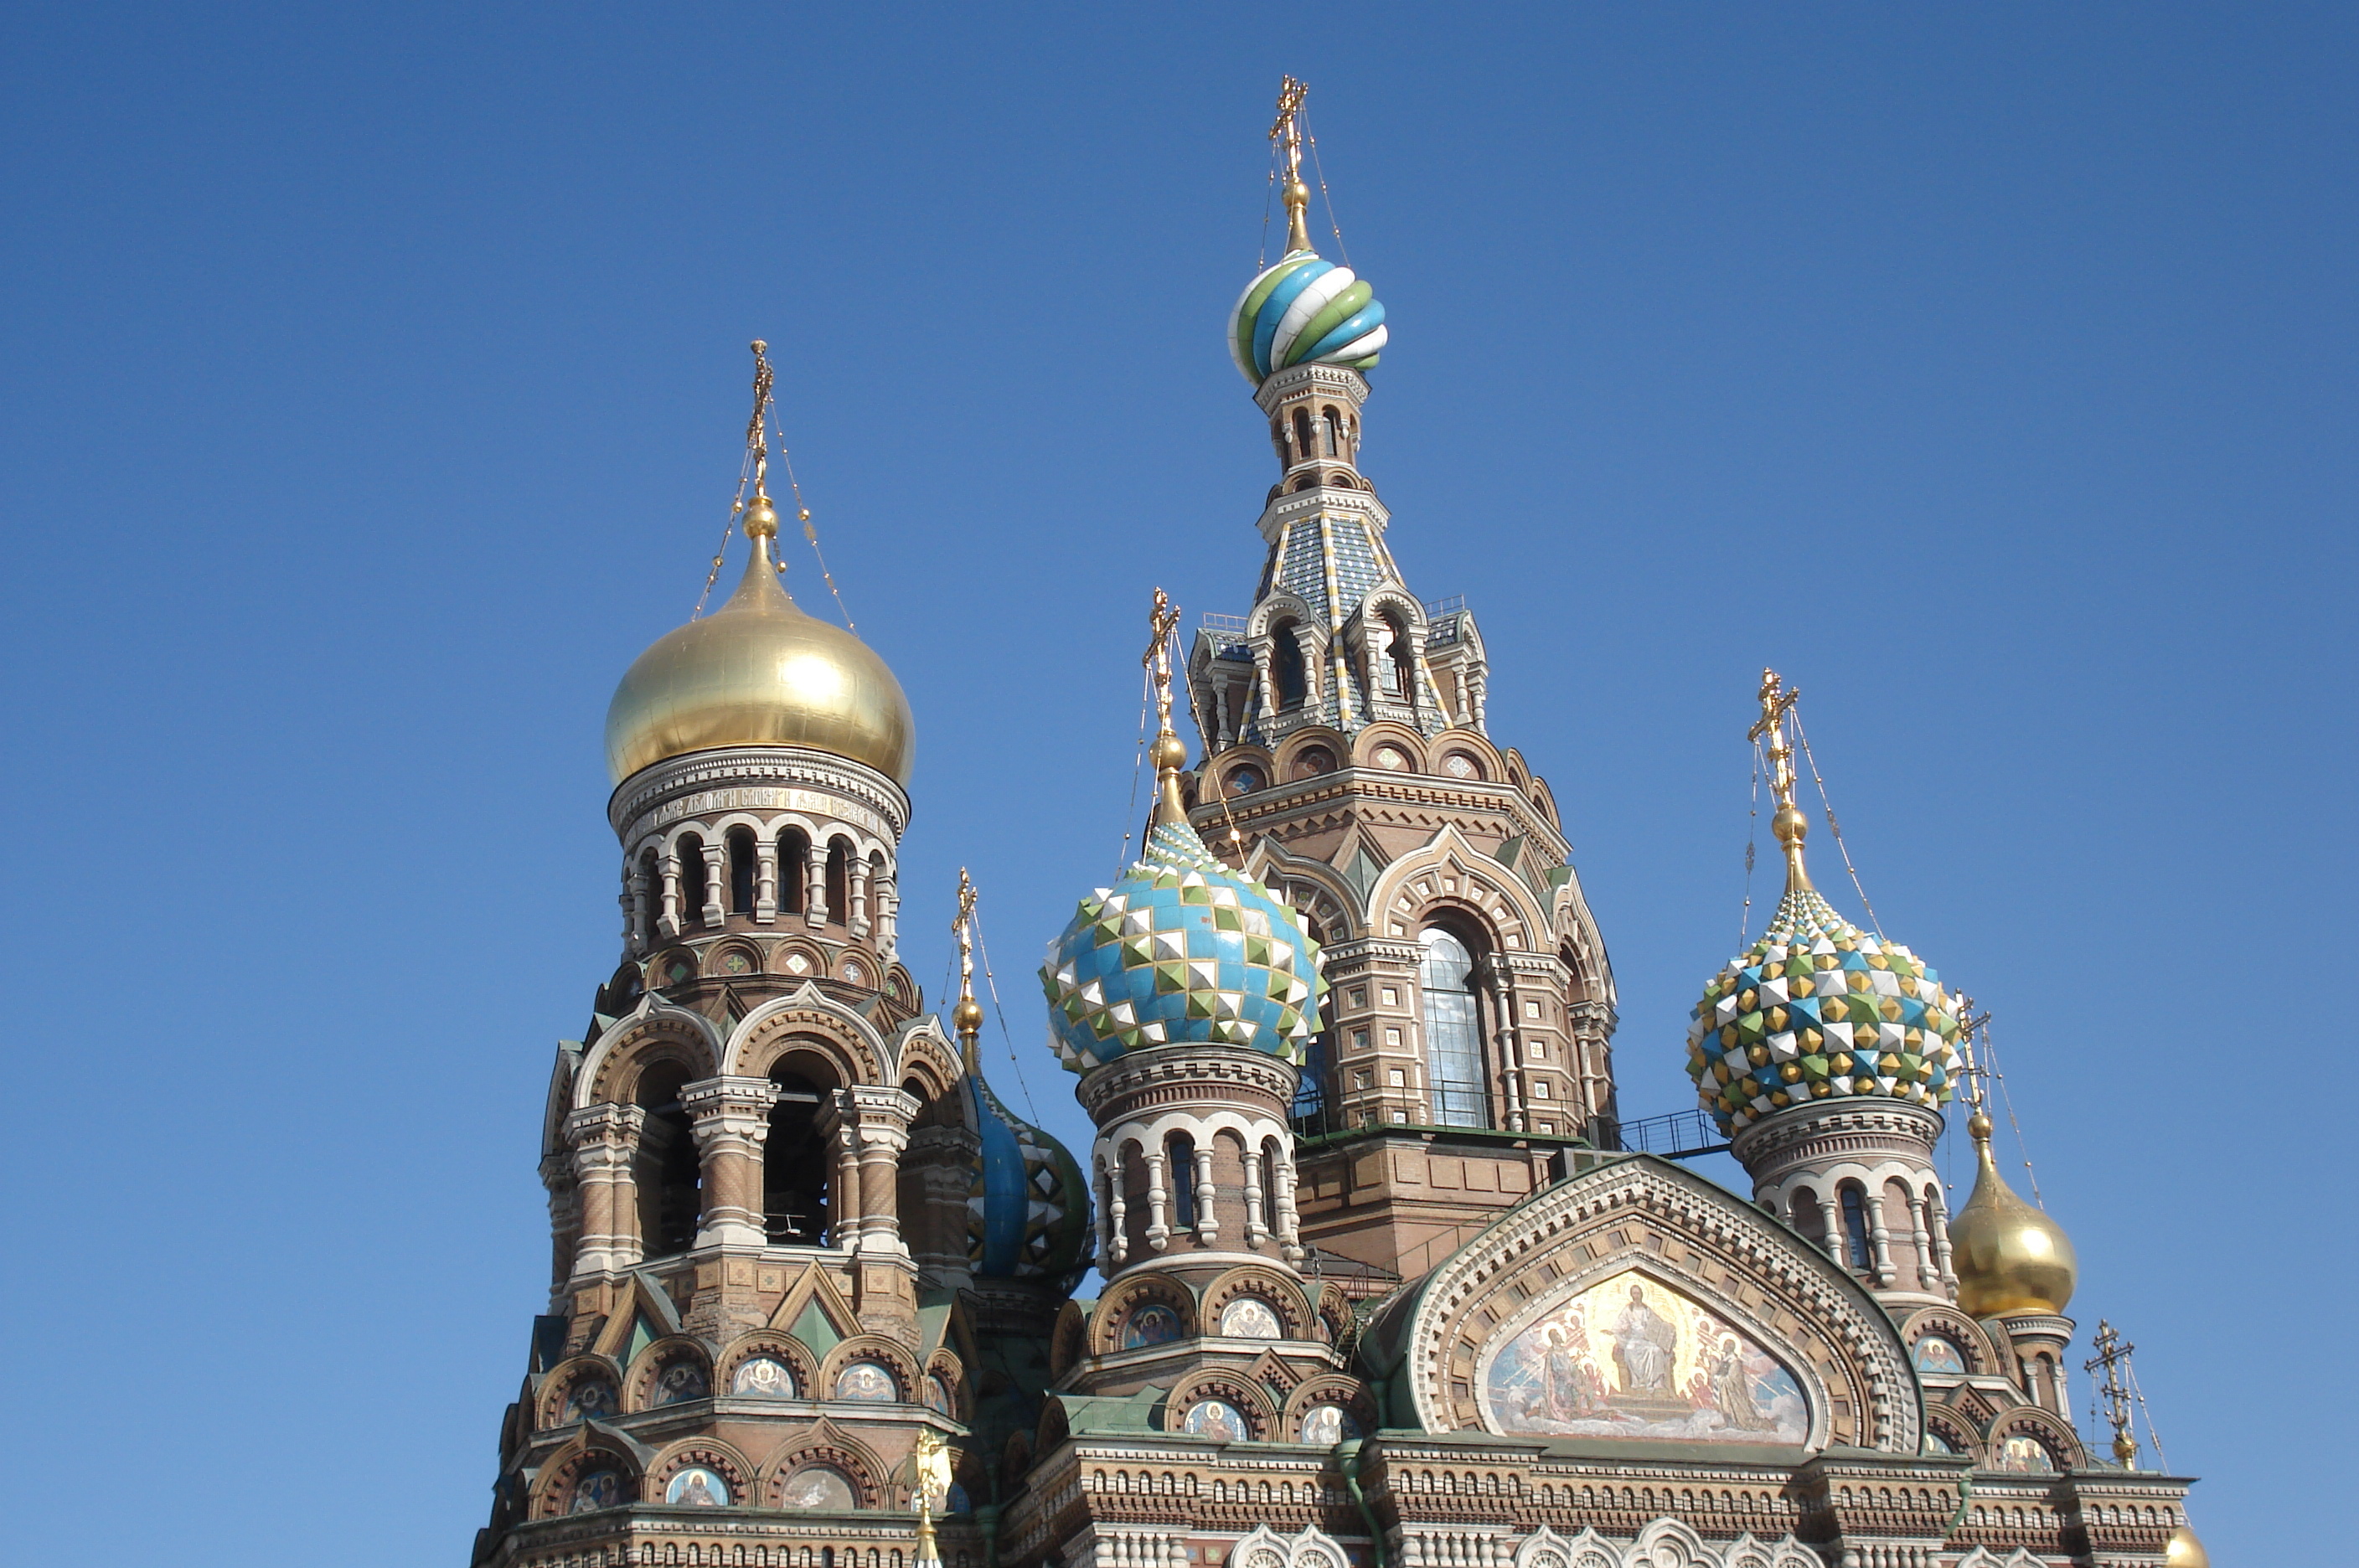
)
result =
(1818, 1008)
(1306, 311)
(1180, 950)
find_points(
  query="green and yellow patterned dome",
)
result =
(1816, 1008)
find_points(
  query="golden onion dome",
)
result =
(759, 672)
(2185, 1552)
(2010, 1258)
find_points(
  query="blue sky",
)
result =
(374, 382)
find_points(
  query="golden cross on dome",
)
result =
(967, 1017)
(2113, 1356)
(756, 435)
(1166, 754)
(1777, 700)
(1285, 130)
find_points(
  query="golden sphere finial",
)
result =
(1978, 1127)
(967, 1017)
(760, 347)
(1167, 750)
(761, 518)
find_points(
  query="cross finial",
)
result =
(756, 428)
(1285, 130)
(967, 1017)
(1167, 753)
(1777, 700)
(2113, 1356)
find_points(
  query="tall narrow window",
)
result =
(1183, 1180)
(1301, 434)
(740, 871)
(1854, 1221)
(794, 869)
(691, 880)
(1404, 657)
(839, 882)
(650, 907)
(665, 1169)
(1453, 1033)
(796, 1170)
(1334, 434)
(1269, 1189)
(1309, 1111)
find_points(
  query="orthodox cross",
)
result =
(756, 435)
(968, 1015)
(1285, 131)
(2113, 1356)
(1778, 700)
(1162, 622)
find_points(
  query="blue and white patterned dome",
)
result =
(1181, 950)
(1306, 311)
(1028, 1206)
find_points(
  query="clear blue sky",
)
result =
(374, 379)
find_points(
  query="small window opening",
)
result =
(839, 883)
(1855, 1237)
(665, 1170)
(740, 871)
(1183, 1180)
(796, 1170)
(693, 883)
(794, 869)
(1286, 667)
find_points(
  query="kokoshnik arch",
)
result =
(1382, 1287)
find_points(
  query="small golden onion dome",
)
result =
(2009, 1257)
(759, 672)
(2185, 1551)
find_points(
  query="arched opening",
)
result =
(1286, 667)
(1856, 1244)
(1404, 658)
(1302, 448)
(839, 882)
(693, 883)
(1803, 1212)
(1334, 431)
(1453, 1032)
(650, 900)
(797, 1172)
(1183, 1180)
(1269, 1188)
(740, 871)
(665, 1171)
(794, 869)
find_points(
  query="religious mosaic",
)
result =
(1631, 1358)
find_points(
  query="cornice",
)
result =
(755, 768)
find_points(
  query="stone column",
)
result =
(668, 925)
(716, 883)
(1289, 1224)
(1265, 681)
(602, 1139)
(564, 1217)
(1253, 1231)
(815, 885)
(844, 1221)
(732, 1117)
(1207, 1224)
(1112, 1242)
(856, 879)
(629, 899)
(1928, 1277)
(1837, 1247)
(1476, 695)
(1879, 1239)
(1159, 1235)
(765, 879)
(888, 915)
(1937, 1218)
(882, 1118)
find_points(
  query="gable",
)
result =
(1636, 1300)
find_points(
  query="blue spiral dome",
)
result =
(1028, 1205)
(1306, 311)
(1180, 950)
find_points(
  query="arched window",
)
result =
(693, 883)
(1183, 1180)
(650, 907)
(665, 1170)
(1334, 432)
(1453, 1033)
(1404, 654)
(794, 869)
(796, 1170)
(1269, 1188)
(1285, 666)
(740, 871)
(1803, 1210)
(839, 882)
(1855, 1235)
(1302, 448)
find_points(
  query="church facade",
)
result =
(1377, 1283)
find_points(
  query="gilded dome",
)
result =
(2009, 1257)
(759, 672)
(2185, 1551)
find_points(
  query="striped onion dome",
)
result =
(1817, 1009)
(1306, 311)
(1028, 1205)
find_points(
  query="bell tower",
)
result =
(1349, 763)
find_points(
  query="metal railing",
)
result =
(1681, 1134)
(1440, 609)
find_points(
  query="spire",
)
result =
(1790, 826)
(967, 1017)
(1285, 130)
(1167, 753)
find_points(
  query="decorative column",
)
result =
(1159, 1235)
(603, 1139)
(1928, 1277)
(564, 1217)
(1113, 1241)
(1254, 1232)
(856, 877)
(845, 1227)
(882, 1118)
(1831, 1208)
(1289, 1224)
(1937, 1218)
(765, 879)
(1880, 1238)
(815, 885)
(1502, 1007)
(669, 870)
(716, 884)
(731, 1116)
(1208, 1225)
(1265, 681)
(630, 900)
(889, 913)
(1475, 695)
